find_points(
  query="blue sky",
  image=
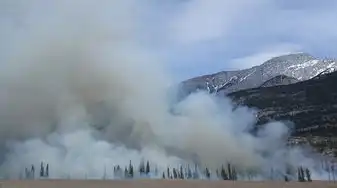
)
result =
(207, 36)
(198, 37)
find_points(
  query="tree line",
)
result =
(30, 172)
(225, 172)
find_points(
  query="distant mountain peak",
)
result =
(297, 66)
(300, 56)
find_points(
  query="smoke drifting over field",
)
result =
(80, 92)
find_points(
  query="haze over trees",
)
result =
(226, 172)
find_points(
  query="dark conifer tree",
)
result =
(41, 170)
(32, 174)
(175, 174)
(223, 173)
(308, 174)
(147, 170)
(142, 167)
(333, 171)
(168, 172)
(299, 178)
(302, 174)
(130, 170)
(181, 173)
(118, 171)
(289, 171)
(126, 173)
(47, 171)
(230, 175)
(163, 176)
(207, 173)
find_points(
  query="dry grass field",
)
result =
(159, 183)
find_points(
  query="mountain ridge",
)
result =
(300, 66)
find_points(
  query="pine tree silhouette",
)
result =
(230, 175)
(302, 174)
(47, 170)
(142, 167)
(175, 174)
(181, 173)
(32, 172)
(131, 170)
(147, 170)
(289, 172)
(308, 174)
(126, 173)
(41, 170)
(299, 178)
(119, 171)
(223, 173)
(196, 173)
(168, 172)
(207, 173)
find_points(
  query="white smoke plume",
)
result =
(80, 92)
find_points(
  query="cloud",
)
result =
(204, 36)
(263, 55)
(199, 20)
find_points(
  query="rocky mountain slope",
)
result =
(286, 69)
(310, 105)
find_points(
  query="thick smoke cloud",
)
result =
(79, 91)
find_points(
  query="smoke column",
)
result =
(80, 92)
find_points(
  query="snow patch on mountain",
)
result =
(300, 66)
(304, 64)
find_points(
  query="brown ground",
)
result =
(158, 183)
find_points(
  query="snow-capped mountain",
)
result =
(282, 70)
